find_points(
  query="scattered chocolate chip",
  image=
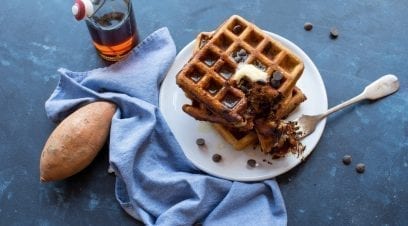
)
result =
(347, 159)
(216, 157)
(237, 29)
(308, 26)
(200, 141)
(334, 33)
(251, 163)
(360, 168)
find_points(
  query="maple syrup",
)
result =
(111, 24)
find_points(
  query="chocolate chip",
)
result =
(360, 168)
(275, 83)
(308, 26)
(237, 59)
(334, 33)
(216, 157)
(237, 29)
(277, 75)
(240, 56)
(251, 163)
(200, 141)
(242, 52)
(347, 159)
(275, 79)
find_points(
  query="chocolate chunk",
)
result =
(200, 141)
(347, 159)
(308, 26)
(237, 29)
(334, 33)
(360, 168)
(216, 157)
(251, 163)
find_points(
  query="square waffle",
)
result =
(238, 139)
(200, 112)
(206, 77)
(242, 137)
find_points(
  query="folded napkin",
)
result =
(155, 181)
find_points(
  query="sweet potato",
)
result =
(76, 141)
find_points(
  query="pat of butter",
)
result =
(251, 72)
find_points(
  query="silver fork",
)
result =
(381, 87)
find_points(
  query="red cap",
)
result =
(78, 9)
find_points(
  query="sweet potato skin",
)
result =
(76, 141)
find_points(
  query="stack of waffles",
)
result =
(243, 82)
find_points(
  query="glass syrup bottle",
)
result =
(111, 24)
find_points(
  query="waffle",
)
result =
(206, 77)
(290, 103)
(238, 139)
(200, 112)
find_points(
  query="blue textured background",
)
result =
(38, 37)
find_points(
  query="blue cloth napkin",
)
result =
(155, 181)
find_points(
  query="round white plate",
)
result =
(234, 163)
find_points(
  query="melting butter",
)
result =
(251, 72)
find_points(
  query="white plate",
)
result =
(234, 163)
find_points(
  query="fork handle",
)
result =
(345, 104)
(381, 87)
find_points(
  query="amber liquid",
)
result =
(114, 34)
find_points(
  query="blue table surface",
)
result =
(38, 37)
